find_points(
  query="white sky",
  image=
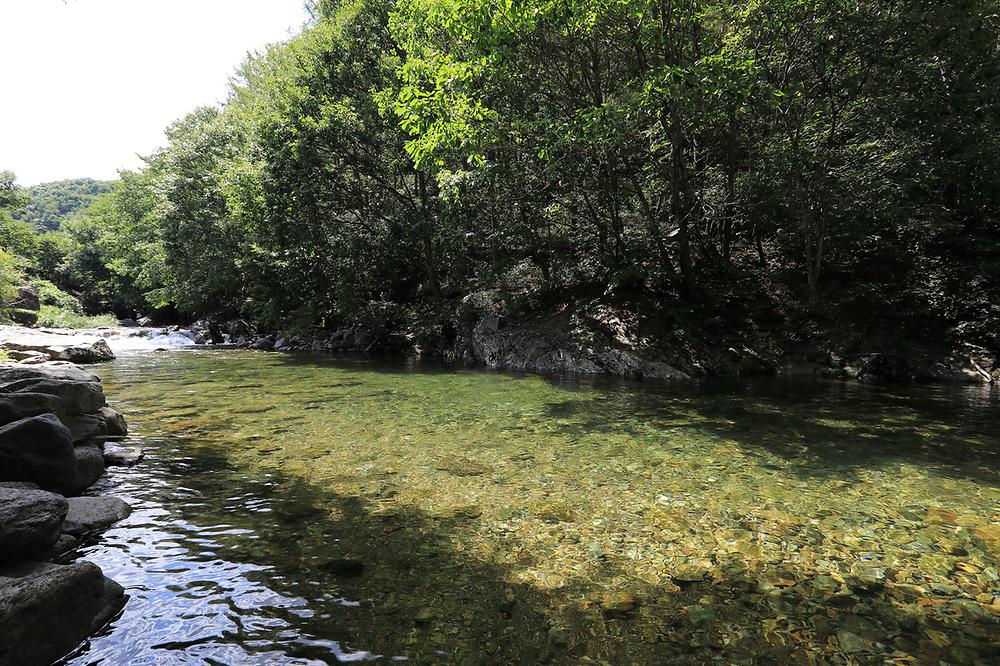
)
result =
(86, 85)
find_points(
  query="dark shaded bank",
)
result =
(635, 340)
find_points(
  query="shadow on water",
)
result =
(370, 574)
(814, 428)
(419, 596)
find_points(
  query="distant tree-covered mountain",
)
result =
(51, 202)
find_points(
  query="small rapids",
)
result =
(131, 340)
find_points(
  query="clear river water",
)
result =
(295, 509)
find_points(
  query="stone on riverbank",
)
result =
(39, 449)
(86, 515)
(116, 425)
(263, 344)
(48, 609)
(89, 465)
(30, 521)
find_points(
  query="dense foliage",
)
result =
(826, 159)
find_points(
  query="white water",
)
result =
(125, 340)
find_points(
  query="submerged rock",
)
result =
(987, 537)
(460, 466)
(346, 568)
(617, 604)
(46, 610)
(93, 514)
(30, 521)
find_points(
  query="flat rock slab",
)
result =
(30, 521)
(59, 346)
(93, 514)
(122, 456)
(59, 370)
(46, 610)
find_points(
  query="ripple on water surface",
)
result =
(300, 510)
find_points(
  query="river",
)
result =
(294, 509)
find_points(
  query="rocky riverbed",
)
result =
(57, 438)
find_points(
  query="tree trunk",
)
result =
(678, 204)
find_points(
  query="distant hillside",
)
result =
(52, 202)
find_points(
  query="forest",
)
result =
(788, 168)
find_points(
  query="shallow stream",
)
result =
(295, 509)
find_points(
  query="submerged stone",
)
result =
(460, 466)
(987, 537)
(344, 567)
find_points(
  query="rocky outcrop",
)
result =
(60, 388)
(56, 346)
(53, 420)
(547, 350)
(46, 610)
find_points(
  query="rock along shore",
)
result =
(56, 440)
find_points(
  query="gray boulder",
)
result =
(30, 521)
(658, 370)
(116, 425)
(38, 449)
(87, 515)
(22, 356)
(263, 344)
(89, 465)
(27, 298)
(84, 427)
(46, 610)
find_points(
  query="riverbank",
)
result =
(57, 438)
(586, 341)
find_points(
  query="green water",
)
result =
(300, 510)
